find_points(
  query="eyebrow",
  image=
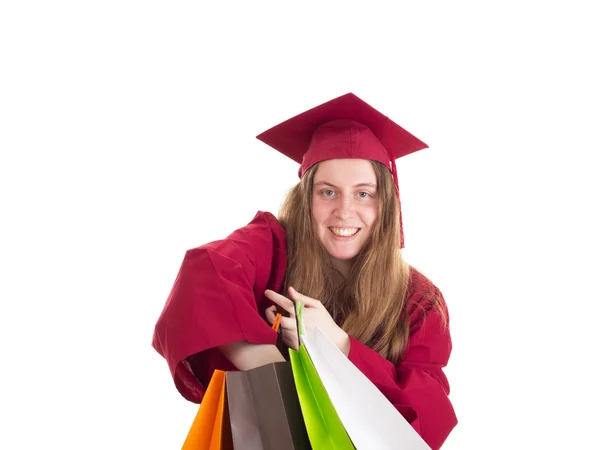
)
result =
(371, 185)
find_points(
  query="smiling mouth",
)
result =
(344, 232)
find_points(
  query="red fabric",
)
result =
(341, 139)
(218, 298)
(293, 137)
(416, 386)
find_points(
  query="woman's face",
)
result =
(344, 207)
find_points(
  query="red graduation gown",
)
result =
(218, 298)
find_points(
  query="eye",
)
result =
(364, 194)
(327, 192)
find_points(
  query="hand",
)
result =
(314, 315)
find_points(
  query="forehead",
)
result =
(345, 172)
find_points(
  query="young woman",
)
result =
(336, 247)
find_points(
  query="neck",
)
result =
(342, 266)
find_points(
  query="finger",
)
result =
(288, 324)
(297, 296)
(283, 302)
(290, 339)
(271, 313)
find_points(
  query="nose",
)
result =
(344, 207)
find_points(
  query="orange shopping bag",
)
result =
(211, 429)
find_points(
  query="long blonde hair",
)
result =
(371, 303)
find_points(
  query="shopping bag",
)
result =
(324, 427)
(367, 415)
(264, 411)
(210, 429)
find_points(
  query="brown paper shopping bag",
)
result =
(264, 411)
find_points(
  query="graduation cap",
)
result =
(345, 127)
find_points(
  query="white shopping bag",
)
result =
(371, 421)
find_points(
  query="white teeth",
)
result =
(345, 232)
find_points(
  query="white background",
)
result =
(127, 136)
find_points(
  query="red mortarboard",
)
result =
(345, 127)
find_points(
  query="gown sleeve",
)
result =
(218, 298)
(416, 386)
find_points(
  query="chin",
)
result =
(343, 256)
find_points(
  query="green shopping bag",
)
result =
(324, 428)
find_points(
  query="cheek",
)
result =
(369, 215)
(320, 213)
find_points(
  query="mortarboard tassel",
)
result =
(395, 177)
